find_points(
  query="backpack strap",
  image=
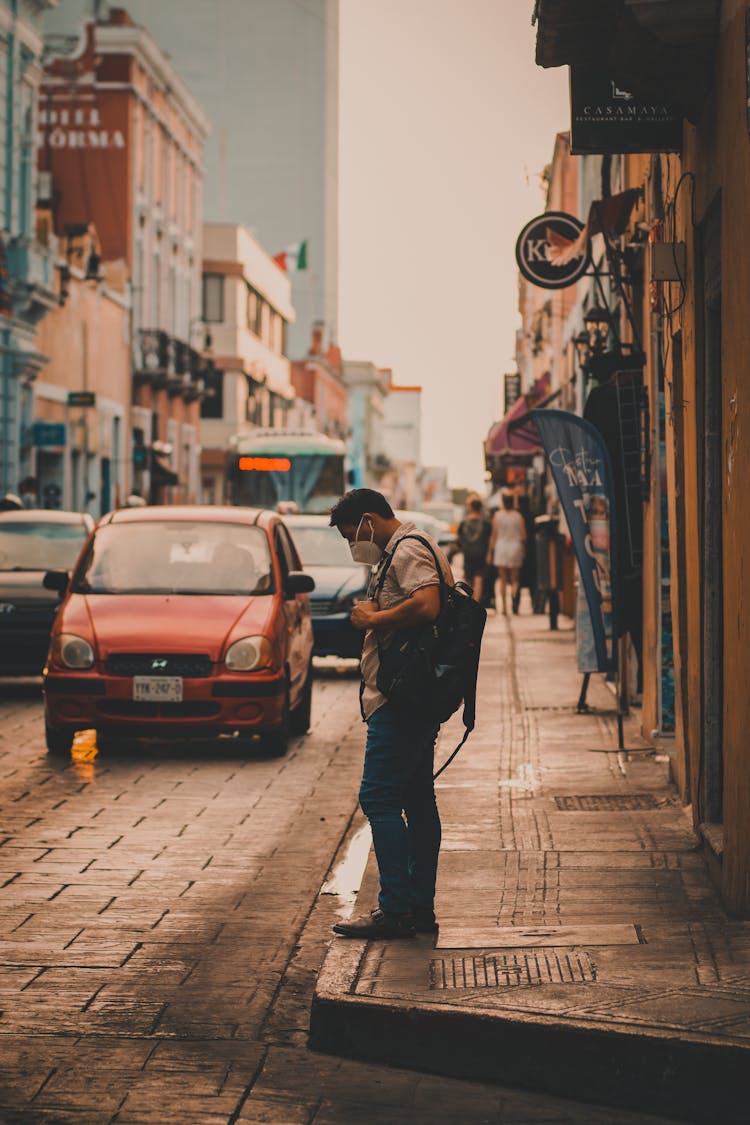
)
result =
(389, 559)
(445, 764)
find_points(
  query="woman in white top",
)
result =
(507, 549)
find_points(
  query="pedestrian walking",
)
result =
(397, 794)
(507, 549)
(473, 540)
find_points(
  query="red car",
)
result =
(181, 622)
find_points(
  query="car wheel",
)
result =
(276, 741)
(299, 720)
(59, 740)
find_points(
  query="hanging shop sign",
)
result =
(607, 118)
(538, 246)
(81, 398)
(511, 390)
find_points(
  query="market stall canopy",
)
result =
(662, 49)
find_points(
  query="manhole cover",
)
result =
(612, 802)
(512, 967)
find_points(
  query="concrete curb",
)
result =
(679, 1075)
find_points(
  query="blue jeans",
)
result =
(396, 780)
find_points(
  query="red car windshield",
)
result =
(176, 557)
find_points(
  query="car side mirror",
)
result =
(297, 582)
(56, 580)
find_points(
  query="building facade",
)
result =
(267, 75)
(28, 287)
(368, 389)
(120, 148)
(247, 311)
(542, 350)
(80, 456)
(691, 283)
(318, 382)
(402, 443)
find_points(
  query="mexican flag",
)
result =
(293, 258)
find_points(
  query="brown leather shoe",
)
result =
(377, 924)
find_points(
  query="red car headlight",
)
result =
(71, 651)
(248, 654)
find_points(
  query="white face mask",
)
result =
(366, 552)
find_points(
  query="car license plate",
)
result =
(157, 689)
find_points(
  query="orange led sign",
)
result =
(265, 464)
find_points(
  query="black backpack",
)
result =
(473, 538)
(434, 667)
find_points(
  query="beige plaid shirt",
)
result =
(413, 567)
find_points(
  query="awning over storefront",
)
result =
(505, 440)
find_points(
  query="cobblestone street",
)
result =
(163, 930)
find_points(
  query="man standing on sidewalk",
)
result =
(397, 776)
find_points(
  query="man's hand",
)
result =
(364, 614)
(423, 605)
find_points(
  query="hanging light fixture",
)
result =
(583, 349)
(597, 324)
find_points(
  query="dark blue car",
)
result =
(31, 543)
(339, 583)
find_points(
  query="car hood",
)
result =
(166, 622)
(334, 582)
(25, 586)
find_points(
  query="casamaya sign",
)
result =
(606, 118)
(538, 243)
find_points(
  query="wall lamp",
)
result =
(596, 324)
(583, 349)
(595, 359)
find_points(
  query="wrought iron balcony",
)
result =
(165, 361)
(187, 361)
(152, 356)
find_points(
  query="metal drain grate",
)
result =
(611, 802)
(512, 967)
(550, 707)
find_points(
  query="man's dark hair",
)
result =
(508, 501)
(353, 505)
(475, 505)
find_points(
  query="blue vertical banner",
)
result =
(582, 472)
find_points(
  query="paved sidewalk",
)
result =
(582, 948)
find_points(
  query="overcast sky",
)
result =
(446, 123)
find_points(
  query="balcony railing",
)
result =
(187, 361)
(165, 361)
(152, 355)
